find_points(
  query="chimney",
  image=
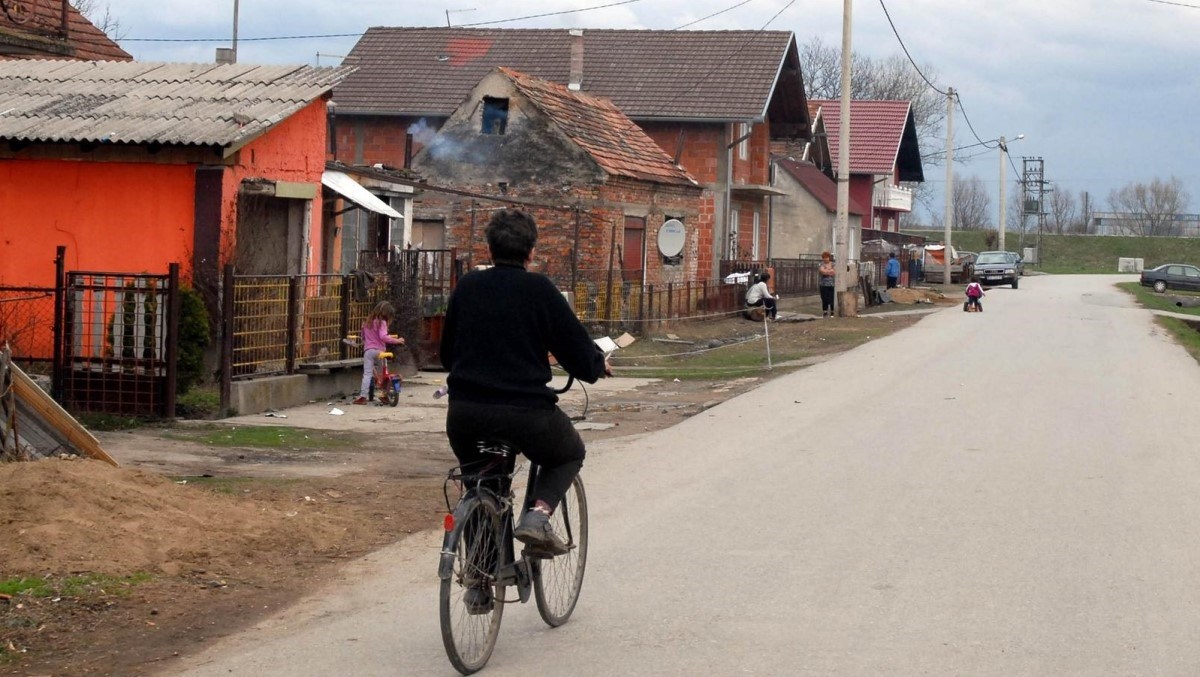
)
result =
(576, 80)
(225, 56)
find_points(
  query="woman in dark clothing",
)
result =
(827, 276)
(501, 323)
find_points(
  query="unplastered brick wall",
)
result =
(584, 225)
(369, 140)
(699, 146)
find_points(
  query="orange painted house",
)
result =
(133, 166)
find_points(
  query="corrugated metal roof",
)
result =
(165, 103)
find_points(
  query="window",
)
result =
(743, 133)
(733, 235)
(757, 234)
(495, 115)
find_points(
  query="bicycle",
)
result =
(478, 558)
(387, 381)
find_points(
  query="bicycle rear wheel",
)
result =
(471, 557)
(557, 581)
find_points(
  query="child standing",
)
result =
(375, 340)
(974, 293)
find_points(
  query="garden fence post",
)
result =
(174, 308)
(227, 288)
(293, 320)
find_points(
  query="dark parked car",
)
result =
(1172, 276)
(1017, 261)
(995, 268)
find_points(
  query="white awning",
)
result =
(353, 191)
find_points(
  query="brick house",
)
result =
(883, 154)
(712, 100)
(599, 187)
(52, 29)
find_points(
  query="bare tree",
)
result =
(100, 14)
(892, 78)
(1062, 211)
(972, 205)
(1150, 209)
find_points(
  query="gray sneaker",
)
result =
(536, 532)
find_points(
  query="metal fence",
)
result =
(27, 322)
(794, 277)
(120, 342)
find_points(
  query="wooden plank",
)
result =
(46, 410)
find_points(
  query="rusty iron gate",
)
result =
(120, 343)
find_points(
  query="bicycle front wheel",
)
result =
(471, 600)
(557, 581)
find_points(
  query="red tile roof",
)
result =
(38, 35)
(877, 131)
(618, 145)
(692, 75)
(818, 184)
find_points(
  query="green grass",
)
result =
(198, 403)
(1082, 253)
(1187, 333)
(110, 422)
(72, 586)
(268, 437)
(1148, 298)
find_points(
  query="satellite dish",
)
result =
(671, 238)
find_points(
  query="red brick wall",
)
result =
(598, 222)
(368, 140)
(703, 145)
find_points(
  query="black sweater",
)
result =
(500, 325)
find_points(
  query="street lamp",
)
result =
(1003, 173)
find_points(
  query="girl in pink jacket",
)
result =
(375, 340)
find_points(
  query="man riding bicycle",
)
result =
(501, 324)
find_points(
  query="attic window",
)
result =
(495, 115)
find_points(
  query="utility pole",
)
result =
(1003, 157)
(841, 244)
(949, 180)
(235, 27)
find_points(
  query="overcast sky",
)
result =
(1107, 92)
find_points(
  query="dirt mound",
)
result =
(914, 295)
(86, 516)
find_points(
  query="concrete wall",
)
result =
(800, 224)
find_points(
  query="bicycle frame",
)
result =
(512, 571)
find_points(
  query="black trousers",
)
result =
(826, 299)
(768, 303)
(545, 435)
(891, 282)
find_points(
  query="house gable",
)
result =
(883, 138)
(530, 151)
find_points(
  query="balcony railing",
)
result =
(893, 197)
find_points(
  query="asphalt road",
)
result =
(1006, 493)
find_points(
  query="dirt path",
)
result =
(208, 526)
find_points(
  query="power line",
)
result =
(910, 59)
(1175, 4)
(539, 16)
(359, 34)
(706, 18)
(969, 125)
(726, 59)
(241, 39)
